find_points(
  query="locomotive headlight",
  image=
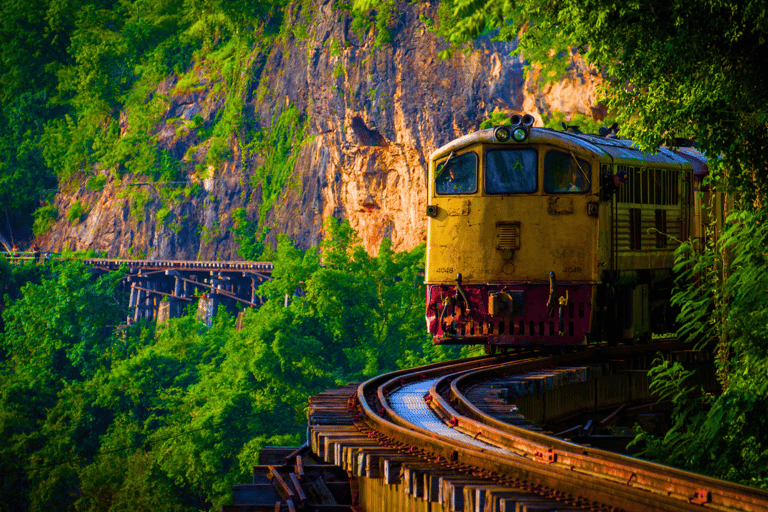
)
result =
(520, 134)
(501, 133)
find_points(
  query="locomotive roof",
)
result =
(697, 160)
(620, 150)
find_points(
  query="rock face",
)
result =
(374, 115)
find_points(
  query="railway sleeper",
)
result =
(518, 501)
(317, 430)
(295, 485)
(333, 446)
(413, 477)
(371, 463)
(452, 491)
(346, 454)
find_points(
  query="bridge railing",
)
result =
(19, 257)
(174, 283)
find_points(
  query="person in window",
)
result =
(457, 175)
(563, 173)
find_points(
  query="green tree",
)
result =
(723, 436)
(672, 69)
(23, 173)
(54, 335)
(676, 69)
(94, 418)
(71, 67)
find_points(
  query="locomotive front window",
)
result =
(510, 171)
(457, 174)
(565, 174)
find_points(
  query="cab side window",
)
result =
(564, 173)
(457, 175)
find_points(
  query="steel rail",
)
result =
(655, 478)
(182, 264)
(592, 475)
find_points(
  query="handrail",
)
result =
(19, 257)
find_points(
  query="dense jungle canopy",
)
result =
(98, 418)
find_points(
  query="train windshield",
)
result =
(457, 174)
(510, 171)
(565, 174)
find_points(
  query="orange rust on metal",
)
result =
(299, 489)
(611, 418)
(464, 460)
(547, 457)
(299, 467)
(701, 496)
(278, 505)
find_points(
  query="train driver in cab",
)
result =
(564, 173)
(457, 174)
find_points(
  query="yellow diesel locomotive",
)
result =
(546, 237)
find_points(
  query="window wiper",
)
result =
(445, 164)
(586, 178)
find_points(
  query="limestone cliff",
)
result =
(373, 114)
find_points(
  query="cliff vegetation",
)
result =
(170, 129)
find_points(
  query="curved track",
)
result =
(425, 413)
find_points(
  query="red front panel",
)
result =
(528, 320)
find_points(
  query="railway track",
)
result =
(422, 432)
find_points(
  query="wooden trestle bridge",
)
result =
(162, 289)
(468, 436)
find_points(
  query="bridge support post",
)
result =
(175, 306)
(140, 298)
(207, 307)
(253, 290)
(149, 304)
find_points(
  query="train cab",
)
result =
(525, 232)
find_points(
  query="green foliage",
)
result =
(209, 234)
(586, 124)
(251, 244)
(377, 16)
(45, 218)
(497, 118)
(280, 145)
(96, 183)
(554, 121)
(138, 202)
(67, 254)
(721, 295)
(24, 177)
(161, 215)
(77, 211)
(169, 417)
